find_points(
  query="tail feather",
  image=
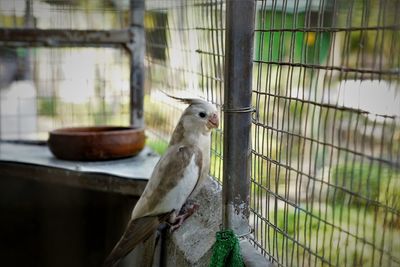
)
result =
(137, 231)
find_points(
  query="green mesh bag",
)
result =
(226, 250)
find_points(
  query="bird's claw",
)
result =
(189, 209)
(179, 221)
(186, 211)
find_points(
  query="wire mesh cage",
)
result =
(325, 180)
(43, 88)
(184, 57)
(64, 14)
(325, 170)
(325, 150)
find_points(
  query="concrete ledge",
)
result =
(127, 176)
(191, 245)
(251, 257)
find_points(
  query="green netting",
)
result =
(226, 250)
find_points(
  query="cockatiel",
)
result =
(178, 172)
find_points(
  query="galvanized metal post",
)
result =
(237, 116)
(29, 24)
(137, 49)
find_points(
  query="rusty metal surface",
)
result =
(125, 176)
(237, 115)
(55, 38)
(96, 142)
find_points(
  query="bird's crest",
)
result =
(185, 100)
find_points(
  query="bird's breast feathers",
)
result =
(177, 196)
(172, 181)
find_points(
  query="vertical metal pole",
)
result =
(237, 117)
(29, 23)
(136, 49)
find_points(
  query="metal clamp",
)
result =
(239, 110)
(242, 110)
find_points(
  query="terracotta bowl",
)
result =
(96, 143)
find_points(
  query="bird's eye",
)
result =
(202, 114)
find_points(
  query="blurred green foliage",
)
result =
(358, 182)
(318, 232)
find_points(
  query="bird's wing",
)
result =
(172, 181)
(136, 232)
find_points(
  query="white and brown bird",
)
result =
(178, 172)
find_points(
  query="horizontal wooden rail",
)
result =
(61, 37)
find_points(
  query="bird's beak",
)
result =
(213, 121)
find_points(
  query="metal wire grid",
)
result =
(184, 57)
(326, 153)
(60, 14)
(45, 88)
(325, 171)
(63, 90)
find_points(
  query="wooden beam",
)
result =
(59, 37)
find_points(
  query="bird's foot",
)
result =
(189, 208)
(186, 211)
